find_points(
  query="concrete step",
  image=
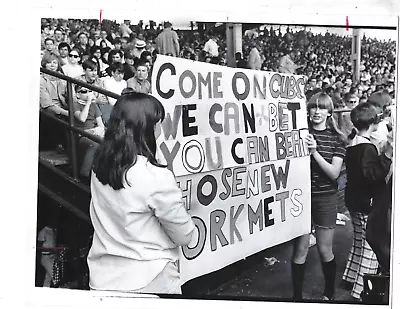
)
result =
(54, 157)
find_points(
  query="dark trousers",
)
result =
(87, 149)
(51, 133)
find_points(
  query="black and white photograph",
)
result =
(182, 158)
(104, 223)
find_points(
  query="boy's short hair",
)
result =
(364, 115)
(118, 66)
(48, 39)
(380, 99)
(89, 64)
(64, 44)
(129, 56)
(140, 63)
(95, 48)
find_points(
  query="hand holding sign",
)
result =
(311, 143)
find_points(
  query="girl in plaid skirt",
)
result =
(366, 172)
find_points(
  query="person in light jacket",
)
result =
(136, 208)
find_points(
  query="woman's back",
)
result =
(138, 228)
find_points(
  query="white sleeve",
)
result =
(168, 207)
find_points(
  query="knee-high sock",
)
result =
(297, 281)
(329, 270)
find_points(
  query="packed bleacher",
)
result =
(116, 56)
(324, 59)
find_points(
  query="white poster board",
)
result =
(234, 139)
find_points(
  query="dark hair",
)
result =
(127, 90)
(112, 53)
(348, 96)
(64, 44)
(47, 25)
(104, 43)
(81, 33)
(144, 55)
(140, 63)
(363, 115)
(48, 39)
(129, 56)
(329, 90)
(94, 48)
(130, 132)
(89, 64)
(380, 99)
(118, 66)
(97, 62)
(353, 90)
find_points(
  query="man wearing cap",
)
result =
(139, 48)
(167, 42)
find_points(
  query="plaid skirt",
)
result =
(362, 259)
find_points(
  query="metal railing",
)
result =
(73, 131)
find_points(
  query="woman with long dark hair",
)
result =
(327, 149)
(137, 210)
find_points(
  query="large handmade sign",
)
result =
(234, 139)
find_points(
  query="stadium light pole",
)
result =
(356, 54)
(233, 42)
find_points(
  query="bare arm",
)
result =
(83, 114)
(99, 122)
(332, 170)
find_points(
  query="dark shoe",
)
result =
(348, 286)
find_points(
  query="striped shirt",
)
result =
(329, 145)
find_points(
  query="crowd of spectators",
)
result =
(324, 58)
(116, 56)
